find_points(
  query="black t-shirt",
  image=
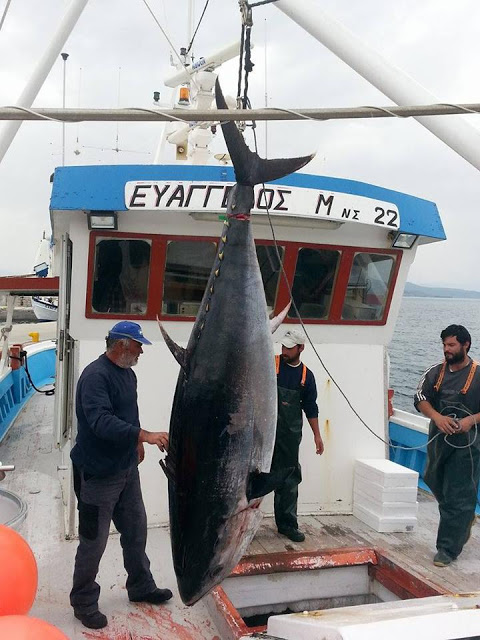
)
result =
(448, 397)
(108, 423)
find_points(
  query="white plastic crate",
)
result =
(384, 508)
(385, 494)
(386, 473)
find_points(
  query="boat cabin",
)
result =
(137, 242)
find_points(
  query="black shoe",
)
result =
(442, 559)
(155, 597)
(293, 534)
(95, 620)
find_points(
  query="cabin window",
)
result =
(367, 287)
(187, 268)
(121, 276)
(270, 269)
(313, 282)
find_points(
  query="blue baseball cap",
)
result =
(127, 329)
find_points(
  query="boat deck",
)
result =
(29, 446)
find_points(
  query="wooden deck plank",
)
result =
(413, 551)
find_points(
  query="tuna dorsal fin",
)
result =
(259, 484)
(250, 169)
(179, 353)
(276, 321)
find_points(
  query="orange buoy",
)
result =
(19, 575)
(26, 628)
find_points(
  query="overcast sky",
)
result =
(118, 57)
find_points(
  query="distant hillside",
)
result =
(438, 292)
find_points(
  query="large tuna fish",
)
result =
(222, 428)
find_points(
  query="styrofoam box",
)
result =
(384, 524)
(385, 494)
(437, 618)
(386, 473)
(387, 509)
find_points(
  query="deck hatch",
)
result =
(270, 584)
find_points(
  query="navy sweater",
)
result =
(108, 424)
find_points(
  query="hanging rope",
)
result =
(198, 25)
(245, 62)
(248, 65)
(257, 4)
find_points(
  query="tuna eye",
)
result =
(216, 571)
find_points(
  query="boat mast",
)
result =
(42, 70)
(389, 79)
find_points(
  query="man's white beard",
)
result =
(127, 361)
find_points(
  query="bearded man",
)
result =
(449, 394)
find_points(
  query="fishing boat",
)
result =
(45, 308)
(138, 241)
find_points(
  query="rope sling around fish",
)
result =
(245, 51)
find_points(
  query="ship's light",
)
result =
(102, 220)
(403, 240)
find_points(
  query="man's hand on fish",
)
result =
(160, 438)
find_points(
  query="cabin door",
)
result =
(65, 361)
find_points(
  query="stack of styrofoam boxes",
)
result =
(385, 495)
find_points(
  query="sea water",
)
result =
(416, 343)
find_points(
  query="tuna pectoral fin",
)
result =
(179, 353)
(259, 484)
(276, 321)
(250, 169)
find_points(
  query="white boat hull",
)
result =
(45, 309)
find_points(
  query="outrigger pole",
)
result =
(386, 77)
(42, 70)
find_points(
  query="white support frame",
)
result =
(386, 77)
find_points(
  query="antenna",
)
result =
(77, 149)
(64, 58)
(266, 90)
(116, 148)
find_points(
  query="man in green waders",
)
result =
(297, 392)
(449, 394)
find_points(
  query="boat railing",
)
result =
(408, 440)
(16, 384)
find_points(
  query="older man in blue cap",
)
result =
(105, 457)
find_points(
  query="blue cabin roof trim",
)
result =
(102, 188)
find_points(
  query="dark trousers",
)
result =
(101, 500)
(285, 500)
(452, 475)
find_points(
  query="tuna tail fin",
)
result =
(179, 353)
(250, 169)
(259, 484)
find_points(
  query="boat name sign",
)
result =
(277, 199)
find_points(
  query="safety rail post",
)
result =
(5, 330)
